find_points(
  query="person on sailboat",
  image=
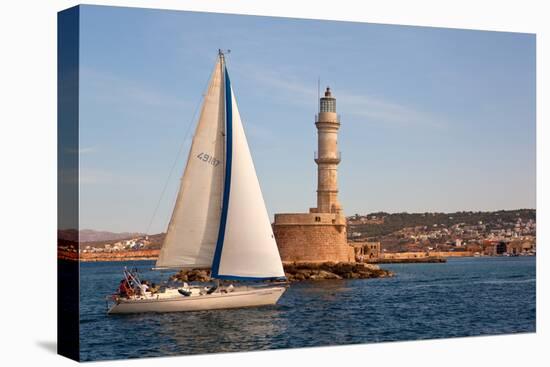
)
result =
(124, 289)
(143, 287)
(154, 288)
(228, 289)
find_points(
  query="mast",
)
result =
(228, 152)
(221, 58)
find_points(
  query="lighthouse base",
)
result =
(312, 237)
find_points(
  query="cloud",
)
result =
(383, 111)
(281, 85)
(109, 88)
(292, 87)
(361, 105)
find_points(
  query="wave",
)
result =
(454, 284)
(503, 281)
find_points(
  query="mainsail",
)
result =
(220, 219)
(193, 230)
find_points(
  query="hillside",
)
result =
(90, 235)
(387, 223)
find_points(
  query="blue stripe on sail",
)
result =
(227, 180)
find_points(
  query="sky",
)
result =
(432, 119)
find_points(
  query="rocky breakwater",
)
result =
(194, 275)
(296, 272)
(331, 270)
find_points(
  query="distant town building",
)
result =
(365, 251)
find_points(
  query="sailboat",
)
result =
(219, 220)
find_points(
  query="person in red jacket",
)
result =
(124, 289)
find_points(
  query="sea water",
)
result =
(463, 297)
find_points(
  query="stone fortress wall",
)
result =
(303, 239)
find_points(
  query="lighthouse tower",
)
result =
(327, 156)
(319, 235)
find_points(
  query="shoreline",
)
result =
(411, 260)
(119, 256)
(152, 255)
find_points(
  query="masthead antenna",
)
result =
(222, 52)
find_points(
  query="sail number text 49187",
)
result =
(208, 159)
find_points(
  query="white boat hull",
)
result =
(174, 302)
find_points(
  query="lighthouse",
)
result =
(327, 156)
(320, 234)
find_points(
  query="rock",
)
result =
(343, 268)
(371, 266)
(193, 275)
(323, 274)
(305, 272)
